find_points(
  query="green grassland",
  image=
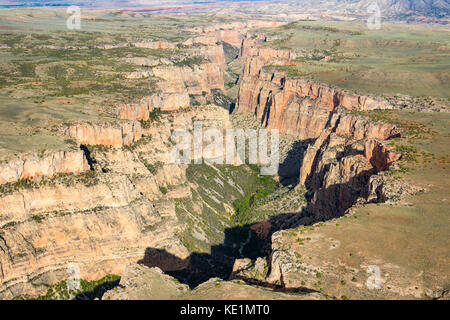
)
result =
(397, 59)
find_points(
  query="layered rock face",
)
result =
(207, 47)
(43, 165)
(338, 168)
(142, 109)
(100, 221)
(345, 150)
(196, 79)
(234, 32)
(295, 106)
(98, 227)
(114, 135)
(178, 82)
(103, 219)
(154, 45)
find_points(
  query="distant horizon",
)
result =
(118, 4)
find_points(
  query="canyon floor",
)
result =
(358, 209)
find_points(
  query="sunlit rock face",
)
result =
(345, 150)
(47, 164)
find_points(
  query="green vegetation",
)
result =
(264, 185)
(87, 178)
(163, 190)
(385, 62)
(153, 168)
(156, 113)
(190, 61)
(209, 211)
(37, 218)
(17, 185)
(88, 289)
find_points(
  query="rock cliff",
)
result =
(338, 168)
(107, 134)
(344, 151)
(178, 80)
(105, 218)
(295, 106)
(234, 32)
(46, 164)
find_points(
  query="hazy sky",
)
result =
(108, 3)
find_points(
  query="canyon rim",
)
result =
(271, 150)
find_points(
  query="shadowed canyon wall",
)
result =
(347, 149)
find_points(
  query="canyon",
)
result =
(87, 221)
(113, 203)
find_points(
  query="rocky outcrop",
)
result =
(142, 109)
(234, 32)
(46, 164)
(179, 78)
(295, 105)
(196, 78)
(338, 168)
(373, 150)
(208, 48)
(154, 45)
(99, 228)
(139, 282)
(105, 218)
(345, 150)
(107, 134)
(99, 220)
(143, 283)
(364, 128)
(176, 84)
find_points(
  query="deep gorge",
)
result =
(136, 208)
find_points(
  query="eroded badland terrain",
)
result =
(359, 208)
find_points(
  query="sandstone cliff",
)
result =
(295, 106)
(234, 32)
(107, 134)
(338, 168)
(197, 78)
(143, 283)
(99, 227)
(46, 164)
(174, 88)
(177, 81)
(345, 150)
(103, 219)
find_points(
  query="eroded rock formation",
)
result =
(234, 32)
(345, 149)
(107, 134)
(103, 219)
(47, 164)
(296, 106)
(177, 81)
(338, 168)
